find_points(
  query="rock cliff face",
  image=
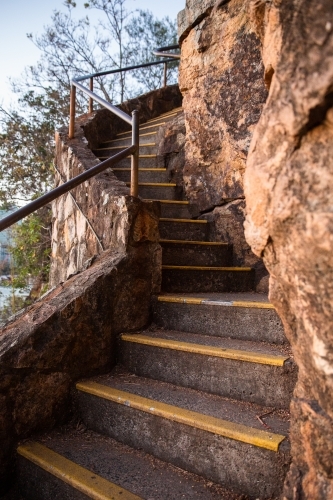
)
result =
(221, 79)
(289, 195)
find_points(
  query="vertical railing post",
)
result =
(135, 155)
(165, 74)
(71, 131)
(91, 86)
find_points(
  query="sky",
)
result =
(19, 17)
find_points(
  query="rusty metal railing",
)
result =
(133, 150)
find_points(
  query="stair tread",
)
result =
(207, 268)
(73, 474)
(133, 470)
(262, 352)
(189, 242)
(201, 403)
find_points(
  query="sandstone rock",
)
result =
(221, 79)
(288, 187)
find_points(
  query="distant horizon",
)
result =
(21, 17)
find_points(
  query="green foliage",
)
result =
(31, 250)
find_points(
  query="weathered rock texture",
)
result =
(221, 79)
(289, 194)
(96, 215)
(71, 333)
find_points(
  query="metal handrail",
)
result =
(133, 150)
(160, 52)
(64, 188)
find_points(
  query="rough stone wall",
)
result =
(71, 333)
(96, 215)
(289, 194)
(221, 79)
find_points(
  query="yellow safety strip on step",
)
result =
(126, 138)
(154, 184)
(231, 430)
(208, 268)
(213, 302)
(78, 477)
(187, 242)
(120, 147)
(194, 221)
(141, 128)
(128, 169)
(162, 117)
(175, 202)
(128, 157)
(205, 350)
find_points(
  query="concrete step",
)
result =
(145, 149)
(247, 371)
(80, 465)
(175, 209)
(155, 175)
(183, 229)
(219, 439)
(145, 128)
(125, 142)
(189, 279)
(163, 191)
(196, 253)
(247, 316)
(145, 161)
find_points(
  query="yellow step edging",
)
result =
(128, 169)
(78, 477)
(177, 202)
(188, 242)
(194, 221)
(208, 268)
(126, 138)
(205, 350)
(231, 430)
(141, 128)
(154, 184)
(127, 157)
(201, 301)
(120, 147)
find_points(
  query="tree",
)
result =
(69, 47)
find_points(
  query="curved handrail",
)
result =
(160, 52)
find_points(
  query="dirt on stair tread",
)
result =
(249, 414)
(222, 342)
(134, 470)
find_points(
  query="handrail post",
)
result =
(71, 131)
(91, 87)
(135, 155)
(165, 74)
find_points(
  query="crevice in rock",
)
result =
(317, 115)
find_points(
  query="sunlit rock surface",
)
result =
(289, 195)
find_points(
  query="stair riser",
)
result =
(247, 469)
(236, 322)
(183, 231)
(171, 211)
(160, 193)
(148, 176)
(253, 382)
(144, 150)
(125, 143)
(196, 255)
(37, 484)
(143, 163)
(190, 281)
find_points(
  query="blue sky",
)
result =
(19, 17)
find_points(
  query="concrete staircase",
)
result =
(198, 406)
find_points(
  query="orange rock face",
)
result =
(221, 79)
(289, 195)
